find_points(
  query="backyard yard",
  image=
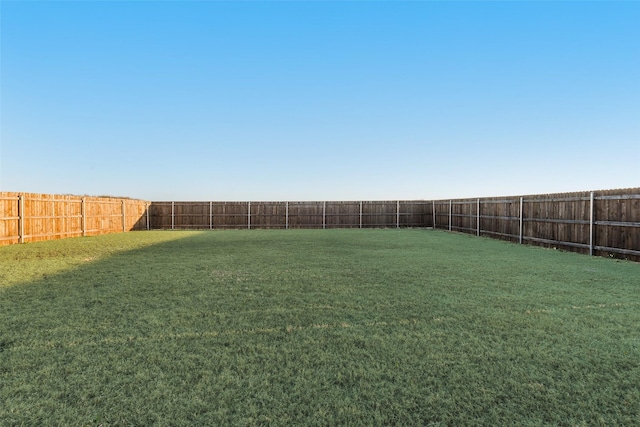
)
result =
(315, 327)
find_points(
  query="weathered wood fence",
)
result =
(605, 223)
(30, 217)
(285, 215)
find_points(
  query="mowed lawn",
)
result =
(315, 327)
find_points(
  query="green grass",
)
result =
(315, 327)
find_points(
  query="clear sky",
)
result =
(299, 100)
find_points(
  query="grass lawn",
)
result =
(315, 327)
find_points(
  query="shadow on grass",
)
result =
(168, 333)
(167, 286)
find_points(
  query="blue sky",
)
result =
(318, 100)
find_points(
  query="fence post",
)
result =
(591, 222)
(249, 215)
(478, 218)
(360, 213)
(210, 215)
(21, 219)
(398, 215)
(286, 216)
(173, 215)
(124, 217)
(450, 213)
(324, 215)
(434, 214)
(521, 217)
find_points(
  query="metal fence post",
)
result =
(324, 215)
(591, 222)
(478, 218)
(521, 217)
(434, 214)
(21, 219)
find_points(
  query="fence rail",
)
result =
(31, 217)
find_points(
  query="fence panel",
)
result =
(160, 215)
(617, 223)
(230, 215)
(415, 214)
(379, 214)
(499, 218)
(191, 215)
(9, 219)
(463, 215)
(32, 217)
(306, 214)
(342, 214)
(268, 215)
(558, 220)
(103, 217)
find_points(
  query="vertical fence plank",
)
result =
(124, 217)
(286, 216)
(21, 219)
(361, 214)
(450, 213)
(173, 215)
(249, 215)
(84, 216)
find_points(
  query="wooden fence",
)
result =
(30, 217)
(285, 215)
(605, 223)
